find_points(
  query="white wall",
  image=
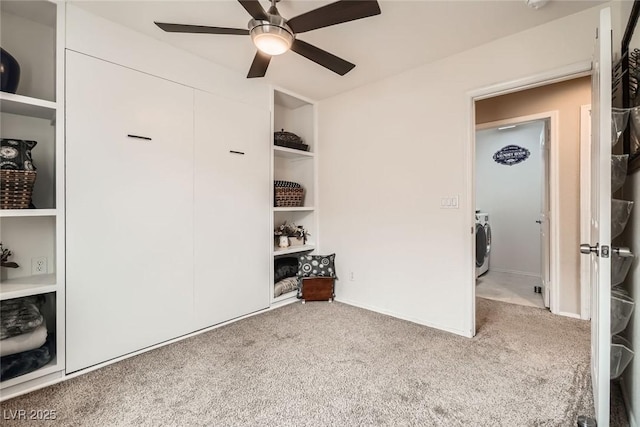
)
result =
(389, 151)
(511, 195)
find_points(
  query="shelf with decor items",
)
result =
(291, 153)
(295, 209)
(293, 250)
(30, 350)
(24, 213)
(294, 176)
(27, 286)
(32, 211)
(21, 105)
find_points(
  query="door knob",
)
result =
(538, 222)
(623, 252)
(586, 248)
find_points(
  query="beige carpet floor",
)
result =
(322, 364)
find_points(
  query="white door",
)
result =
(545, 215)
(599, 248)
(232, 194)
(129, 198)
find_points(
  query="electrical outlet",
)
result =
(39, 265)
(352, 276)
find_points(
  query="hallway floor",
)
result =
(509, 287)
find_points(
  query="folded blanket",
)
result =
(285, 285)
(24, 342)
(18, 316)
(28, 361)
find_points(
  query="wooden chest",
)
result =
(317, 289)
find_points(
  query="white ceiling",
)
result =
(405, 35)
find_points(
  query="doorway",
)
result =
(559, 103)
(513, 210)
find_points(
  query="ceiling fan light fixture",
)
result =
(536, 4)
(271, 39)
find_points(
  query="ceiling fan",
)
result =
(274, 35)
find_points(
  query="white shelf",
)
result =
(50, 368)
(27, 106)
(298, 209)
(293, 250)
(290, 153)
(26, 286)
(285, 296)
(17, 213)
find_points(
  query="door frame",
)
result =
(585, 206)
(568, 72)
(553, 187)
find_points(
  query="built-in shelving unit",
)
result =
(33, 33)
(293, 250)
(290, 153)
(11, 103)
(24, 213)
(300, 209)
(27, 286)
(295, 114)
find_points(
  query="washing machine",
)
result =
(483, 243)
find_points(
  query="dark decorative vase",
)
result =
(9, 72)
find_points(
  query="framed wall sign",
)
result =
(511, 155)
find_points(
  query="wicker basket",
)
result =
(15, 188)
(289, 140)
(288, 197)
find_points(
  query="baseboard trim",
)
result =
(627, 404)
(521, 273)
(403, 317)
(566, 314)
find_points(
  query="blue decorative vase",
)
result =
(9, 72)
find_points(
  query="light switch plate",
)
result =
(449, 202)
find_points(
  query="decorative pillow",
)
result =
(317, 266)
(16, 154)
(284, 267)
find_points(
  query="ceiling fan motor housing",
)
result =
(272, 35)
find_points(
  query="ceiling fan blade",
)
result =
(334, 13)
(199, 29)
(254, 8)
(322, 57)
(259, 65)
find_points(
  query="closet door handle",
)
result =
(237, 152)
(146, 138)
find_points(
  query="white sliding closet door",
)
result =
(232, 202)
(129, 210)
